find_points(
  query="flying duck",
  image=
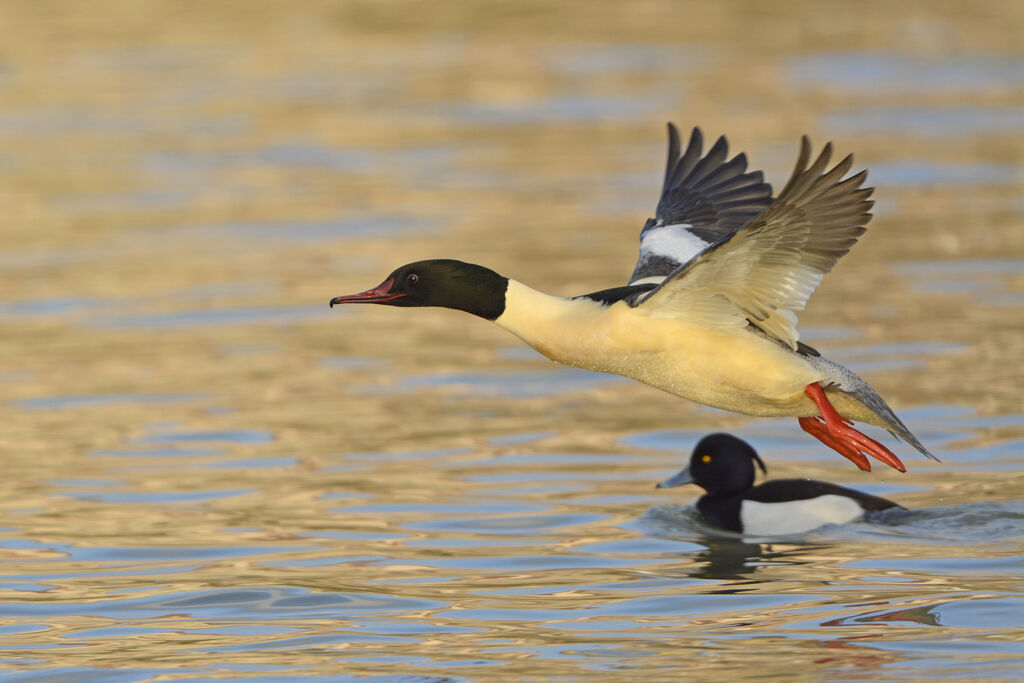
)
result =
(709, 313)
(723, 466)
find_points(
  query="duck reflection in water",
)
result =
(736, 561)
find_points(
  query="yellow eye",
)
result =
(705, 458)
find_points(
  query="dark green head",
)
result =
(720, 463)
(438, 282)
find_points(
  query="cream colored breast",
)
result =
(723, 367)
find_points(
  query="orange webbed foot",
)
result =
(837, 433)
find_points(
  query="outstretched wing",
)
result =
(767, 270)
(704, 199)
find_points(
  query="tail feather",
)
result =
(896, 427)
(850, 383)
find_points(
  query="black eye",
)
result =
(412, 279)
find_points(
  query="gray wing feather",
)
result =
(765, 272)
(704, 199)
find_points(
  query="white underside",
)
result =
(797, 516)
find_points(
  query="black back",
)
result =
(626, 293)
(782, 490)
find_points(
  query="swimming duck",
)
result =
(709, 313)
(723, 466)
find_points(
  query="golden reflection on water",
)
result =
(201, 457)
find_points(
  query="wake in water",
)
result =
(982, 522)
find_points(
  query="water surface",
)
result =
(209, 474)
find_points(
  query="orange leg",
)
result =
(837, 433)
(816, 428)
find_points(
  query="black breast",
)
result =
(722, 511)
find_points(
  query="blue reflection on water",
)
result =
(872, 72)
(982, 280)
(913, 173)
(200, 318)
(580, 108)
(57, 402)
(939, 121)
(158, 496)
(252, 603)
(171, 452)
(235, 436)
(504, 384)
(595, 59)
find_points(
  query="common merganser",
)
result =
(723, 466)
(709, 312)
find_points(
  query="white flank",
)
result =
(797, 516)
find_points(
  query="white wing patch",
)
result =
(663, 248)
(653, 280)
(797, 516)
(770, 267)
(673, 241)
